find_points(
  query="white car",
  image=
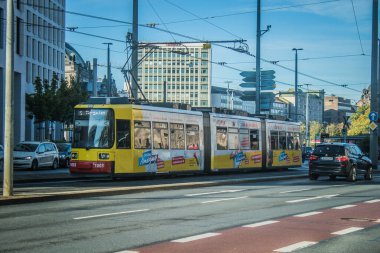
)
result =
(34, 154)
(1, 157)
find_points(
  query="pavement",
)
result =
(48, 185)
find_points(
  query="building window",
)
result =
(19, 36)
(27, 72)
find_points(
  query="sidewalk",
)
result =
(68, 187)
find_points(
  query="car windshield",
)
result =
(26, 147)
(63, 147)
(329, 150)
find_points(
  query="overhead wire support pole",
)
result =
(296, 84)
(9, 102)
(135, 48)
(374, 79)
(258, 74)
(109, 81)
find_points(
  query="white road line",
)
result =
(372, 201)
(378, 221)
(127, 251)
(300, 190)
(347, 230)
(307, 214)
(295, 246)
(259, 224)
(343, 207)
(219, 200)
(196, 237)
(338, 185)
(209, 193)
(110, 214)
(319, 197)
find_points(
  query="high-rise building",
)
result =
(183, 70)
(39, 51)
(336, 108)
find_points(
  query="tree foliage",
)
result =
(360, 121)
(53, 102)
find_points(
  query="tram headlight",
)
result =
(74, 155)
(104, 156)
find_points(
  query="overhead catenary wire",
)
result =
(357, 26)
(159, 17)
(192, 38)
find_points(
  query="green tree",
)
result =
(315, 128)
(360, 121)
(334, 129)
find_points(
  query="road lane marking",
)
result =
(295, 246)
(259, 224)
(307, 214)
(378, 221)
(127, 251)
(347, 230)
(307, 199)
(210, 193)
(196, 237)
(110, 214)
(219, 200)
(343, 207)
(372, 201)
(300, 190)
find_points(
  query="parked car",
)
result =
(33, 154)
(1, 157)
(64, 152)
(339, 159)
(308, 151)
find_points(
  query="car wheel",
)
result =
(332, 177)
(34, 165)
(67, 163)
(369, 174)
(352, 174)
(55, 164)
(313, 176)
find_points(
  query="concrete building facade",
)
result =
(183, 70)
(336, 108)
(39, 51)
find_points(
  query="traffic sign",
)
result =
(373, 116)
(372, 126)
(253, 73)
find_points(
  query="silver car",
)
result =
(33, 154)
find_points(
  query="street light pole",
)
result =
(109, 83)
(307, 116)
(296, 84)
(9, 117)
(258, 49)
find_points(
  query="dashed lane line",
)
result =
(307, 214)
(110, 214)
(313, 198)
(372, 201)
(220, 200)
(210, 193)
(296, 246)
(259, 224)
(343, 207)
(347, 231)
(300, 190)
(196, 237)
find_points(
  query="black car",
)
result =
(64, 150)
(339, 159)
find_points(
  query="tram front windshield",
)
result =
(93, 128)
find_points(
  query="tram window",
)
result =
(282, 140)
(297, 141)
(192, 137)
(142, 135)
(244, 138)
(177, 136)
(254, 139)
(233, 138)
(160, 135)
(290, 141)
(221, 138)
(274, 140)
(123, 133)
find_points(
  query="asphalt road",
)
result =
(150, 221)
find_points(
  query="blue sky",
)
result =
(323, 28)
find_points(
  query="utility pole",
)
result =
(307, 116)
(258, 49)
(95, 77)
(109, 82)
(374, 79)
(296, 84)
(228, 93)
(9, 102)
(135, 48)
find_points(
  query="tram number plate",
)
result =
(327, 158)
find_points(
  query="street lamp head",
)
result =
(107, 43)
(297, 49)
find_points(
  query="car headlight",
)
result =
(104, 156)
(28, 158)
(62, 156)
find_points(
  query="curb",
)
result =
(34, 198)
